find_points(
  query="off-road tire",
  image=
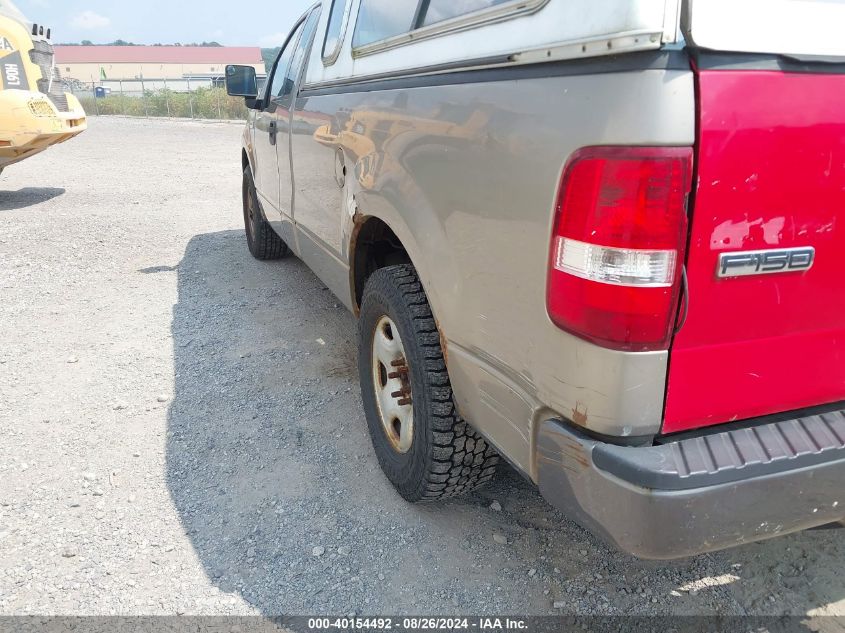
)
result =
(263, 242)
(447, 457)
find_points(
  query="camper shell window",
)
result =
(385, 23)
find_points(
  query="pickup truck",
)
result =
(603, 241)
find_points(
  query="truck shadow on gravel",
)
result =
(271, 472)
(27, 197)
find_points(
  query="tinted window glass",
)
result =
(332, 42)
(292, 75)
(282, 65)
(439, 10)
(380, 19)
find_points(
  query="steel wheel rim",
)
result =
(392, 385)
(249, 212)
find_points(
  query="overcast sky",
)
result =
(232, 22)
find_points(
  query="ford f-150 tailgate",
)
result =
(765, 322)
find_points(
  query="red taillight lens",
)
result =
(618, 245)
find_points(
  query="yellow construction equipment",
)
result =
(35, 111)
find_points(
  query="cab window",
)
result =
(285, 97)
(280, 71)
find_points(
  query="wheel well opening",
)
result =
(244, 160)
(375, 246)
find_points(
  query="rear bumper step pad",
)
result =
(700, 494)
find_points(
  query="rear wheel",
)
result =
(425, 448)
(264, 243)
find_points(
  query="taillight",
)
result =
(618, 245)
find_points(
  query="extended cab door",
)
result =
(319, 158)
(268, 122)
(318, 168)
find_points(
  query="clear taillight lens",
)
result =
(618, 245)
(620, 266)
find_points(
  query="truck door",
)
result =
(268, 122)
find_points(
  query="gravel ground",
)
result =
(181, 429)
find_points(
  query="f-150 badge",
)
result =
(786, 260)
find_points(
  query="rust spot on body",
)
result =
(581, 418)
(357, 224)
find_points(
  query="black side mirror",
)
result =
(241, 81)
